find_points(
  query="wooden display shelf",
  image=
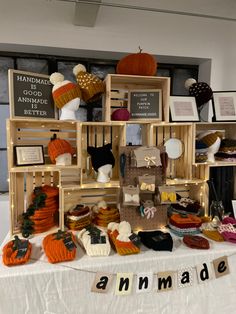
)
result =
(21, 186)
(160, 132)
(216, 164)
(39, 132)
(178, 181)
(72, 196)
(118, 87)
(97, 135)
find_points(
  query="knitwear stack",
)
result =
(183, 224)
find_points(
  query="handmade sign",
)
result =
(30, 95)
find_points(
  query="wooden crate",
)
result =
(118, 86)
(159, 133)
(98, 134)
(70, 197)
(21, 186)
(228, 130)
(39, 132)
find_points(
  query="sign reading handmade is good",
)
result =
(30, 95)
(145, 104)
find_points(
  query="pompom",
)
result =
(189, 82)
(124, 228)
(102, 204)
(56, 78)
(113, 226)
(79, 68)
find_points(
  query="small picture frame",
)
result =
(28, 155)
(145, 104)
(224, 104)
(183, 108)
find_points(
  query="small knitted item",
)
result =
(183, 231)
(101, 156)
(156, 240)
(59, 247)
(41, 214)
(201, 91)
(120, 235)
(103, 214)
(91, 86)
(63, 91)
(94, 241)
(227, 229)
(78, 217)
(185, 221)
(121, 114)
(16, 252)
(196, 242)
(186, 204)
(213, 235)
(57, 147)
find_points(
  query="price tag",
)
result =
(135, 239)
(98, 239)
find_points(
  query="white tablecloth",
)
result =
(42, 288)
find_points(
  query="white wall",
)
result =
(27, 24)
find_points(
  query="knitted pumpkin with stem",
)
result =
(16, 252)
(59, 246)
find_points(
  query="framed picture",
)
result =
(145, 104)
(28, 155)
(224, 104)
(183, 108)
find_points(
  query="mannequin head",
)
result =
(64, 160)
(104, 173)
(68, 110)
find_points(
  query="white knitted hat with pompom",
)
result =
(63, 91)
(91, 86)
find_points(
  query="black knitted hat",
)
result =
(101, 156)
(156, 240)
(200, 90)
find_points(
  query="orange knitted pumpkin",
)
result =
(137, 64)
(10, 255)
(55, 248)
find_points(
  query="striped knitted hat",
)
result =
(91, 86)
(63, 91)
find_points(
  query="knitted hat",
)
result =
(201, 91)
(59, 247)
(91, 86)
(121, 114)
(227, 229)
(156, 240)
(63, 91)
(101, 156)
(209, 139)
(121, 237)
(196, 242)
(16, 252)
(94, 241)
(58, 147)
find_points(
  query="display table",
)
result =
(40, 287)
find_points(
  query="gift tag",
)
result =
(69, 243)
(22, 247)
